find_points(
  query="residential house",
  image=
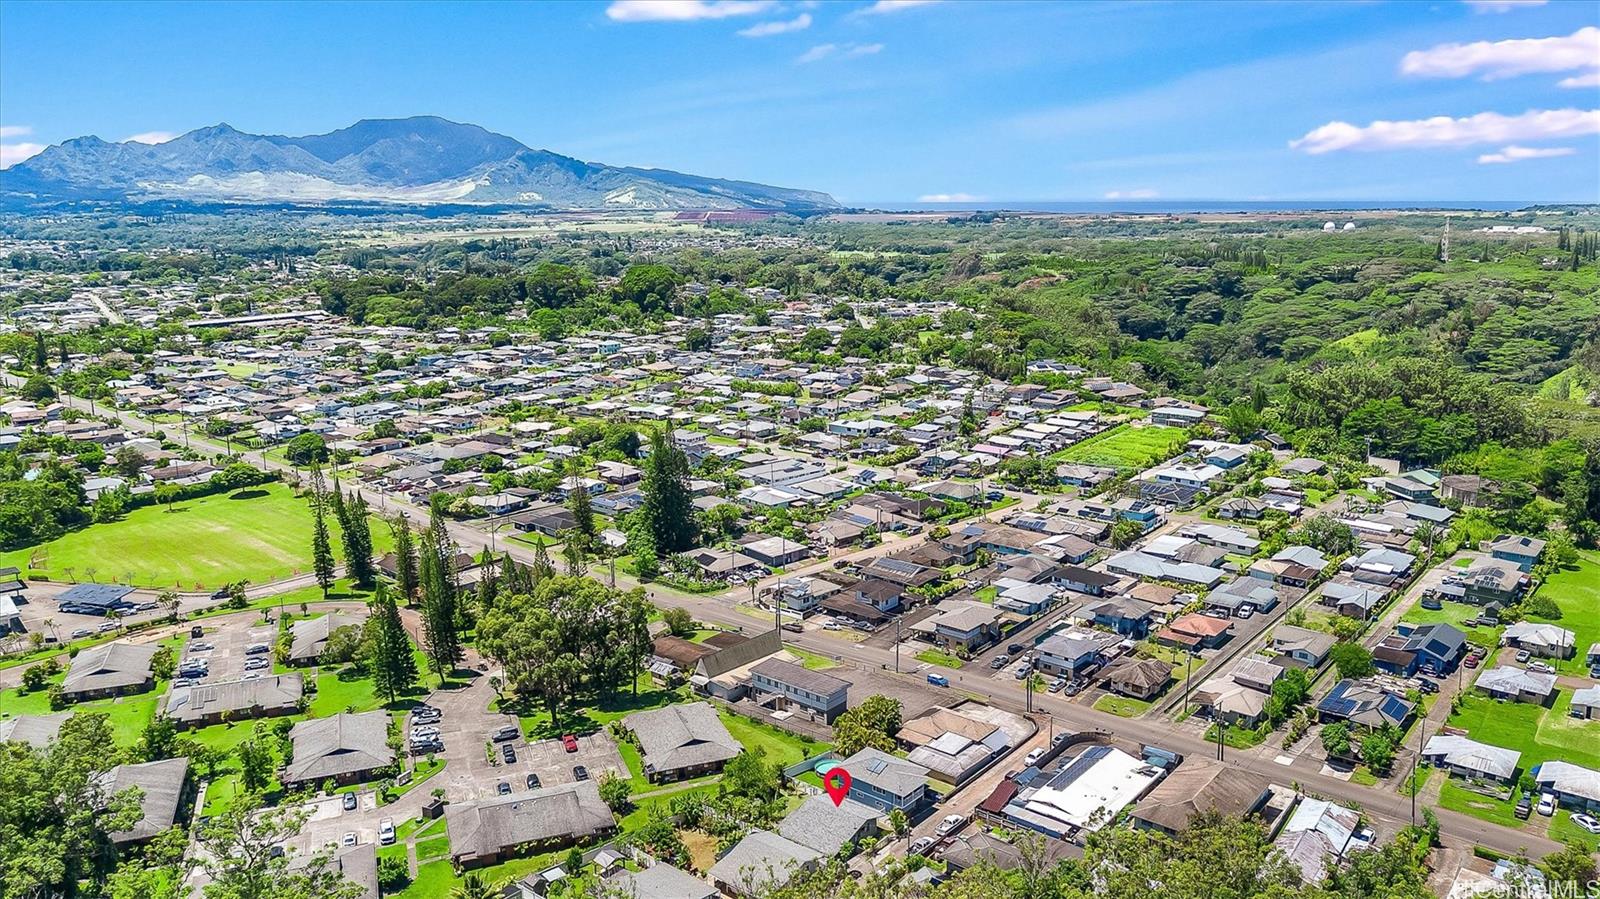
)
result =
(1195, 632)
(486, 831)
(1069, 652)
(886, 782)
(1469, 758)
(961, 624)
(1199, 787)
(1317, 837)
(761, 862)
(1139, 678)
(1585, 704)
(679, 742)
(1306, 647)
(1123, 615)
(1517, 685)
(163, 786)
(308, 637)
(659, 881)
(1574, 786)
(346, 748)
(821, 825)
(1364, 703)
(785, 686)
(1434, 648)
(214, 702)
(1543, 640)
(1521, 551)
(117, 668)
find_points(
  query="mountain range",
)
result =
(418, 160)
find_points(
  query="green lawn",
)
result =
(433, 847)
(261, 534)
(1457, 798)
(1455, 614)
(1122, 706)
(1126, 447)
(942, 659)
(1538, 733)
(1562, 829)
(808, 659)
(536, 719)
(780, 745)
(1577, 592)
(128, 714)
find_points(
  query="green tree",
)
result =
(322, 563)
(243, 852)
(653, 288)
(1352, 660)
(255, 763)
(355, 532)
(750, 775)
(167, 495)
(678, 621)
(872, 723)
(441, 633)
(1572, 867)
(615, 793)
(306, 449)
(393, 666)
(579, 501)
(405, 556)
(668, 510)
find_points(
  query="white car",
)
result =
(950, 825)
(1547, 804)
(1541, 667)
(349, 839)
(1587, 822)
(1034, 756)
(386, 832)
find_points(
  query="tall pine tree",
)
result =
(357, 537)
(405, 557)
(394, 668)
(579, 502)
(668, 509)
(440, 617)
(322, 563)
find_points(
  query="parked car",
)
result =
(256, 649)
(1524, 807)
(1523, 655)
(1057, 685)
(1427, 686)
(1021, 671)
(580, 772)
(1547, 804)
(108, 627)
(80, 633)
(1472, 661)
(999, 661)
(1034, 756)
(196, 632)
(386, 832)
(1587, 822)
(509, 753)
(1015, 648)
(950, 825)
(508, 732)
(1541, 667)
(533, 781)
(348, 840)
(502, 788)
(922, 844)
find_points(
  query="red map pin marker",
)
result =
(837, 783)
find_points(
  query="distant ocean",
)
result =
(1160, 207)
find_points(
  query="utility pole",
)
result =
(1188, 681)
(897, 643)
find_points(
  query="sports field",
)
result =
(262, 534)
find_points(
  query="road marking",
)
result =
(1284, 760)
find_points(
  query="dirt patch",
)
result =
(702, 849)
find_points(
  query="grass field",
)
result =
(128, 714)
(1122, 706)
(262, 534)
(942, 659)
(1125, 447)
(1455, 614)
(780, 745)
(1538, 733)
(1577, 592)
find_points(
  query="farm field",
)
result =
(262, 534)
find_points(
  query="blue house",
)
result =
(886, 782)
(1522, 552)
(1432, 648)
(1123, 615)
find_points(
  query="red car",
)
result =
(569, 741)
(1471, 662)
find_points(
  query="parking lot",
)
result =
(229, 642)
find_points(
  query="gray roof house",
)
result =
(886, 782)
(660, 881)
(817, 823)
(682, 741)
(110, 669)
(1469, 758)
(346, 748)
(198, 705)
(35, 730)
(308, 636)
(162, 785)
(761, 861)
(486, 830)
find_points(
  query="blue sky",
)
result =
(876, 101)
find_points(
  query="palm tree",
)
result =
(473, 886)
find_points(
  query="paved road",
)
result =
(1456, 828)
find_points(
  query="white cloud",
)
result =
(949, 198)
(15, 130)
(11, 154)
(882, 7)
(1505, 59)
(767, 29)
(839, 51)
(1515, 153)
(1138, 193)
(1590, 80)
(151, 137)
(1498, 6)
(683, 10)
(1443, 131)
